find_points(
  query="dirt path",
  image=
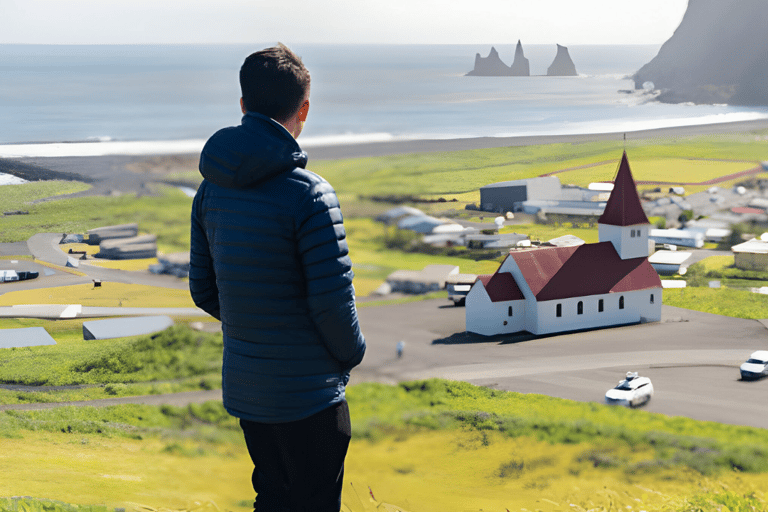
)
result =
(174, 399)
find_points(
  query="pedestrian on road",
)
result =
(269, 258)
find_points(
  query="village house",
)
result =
(752, 254)
(555, 289)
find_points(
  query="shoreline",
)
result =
(374, 149)
(131, 173)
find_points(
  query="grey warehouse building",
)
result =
(507, 196)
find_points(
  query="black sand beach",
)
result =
(119, 174)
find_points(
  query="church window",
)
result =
(652, 298)
(509, 310)
(559, 310)
(600, 306)
(621, 302)
(580, 308)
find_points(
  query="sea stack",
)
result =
(490, 65)
(718, 54)
(562, 65)
(520, 66)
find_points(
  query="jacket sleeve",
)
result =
(328, 275)
(202, 278)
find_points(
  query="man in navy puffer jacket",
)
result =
(269, 259)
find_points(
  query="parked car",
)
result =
(756, 366)
(633, 391)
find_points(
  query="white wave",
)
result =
(166, 147)
(618, 125)
(61, 149)
(348, 138)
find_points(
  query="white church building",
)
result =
(555, 289)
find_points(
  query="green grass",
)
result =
(719, 301)
(166, 215)
(437, 404)
(423, 446)
(176, 353)
(715, 263)
(109, 294)
(460, 174)
(21, 197)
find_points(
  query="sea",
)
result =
(59, 100)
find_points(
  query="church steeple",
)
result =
(624, 207)
(624, 222)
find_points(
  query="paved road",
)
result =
(691, 357)
(45, 248)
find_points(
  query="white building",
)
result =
(557, 289)
(683, 237)
(751, 255)
(668, 263)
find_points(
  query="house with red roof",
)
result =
(555, 289)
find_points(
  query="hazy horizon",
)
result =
(86, 22)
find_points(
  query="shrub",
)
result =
(173, 353)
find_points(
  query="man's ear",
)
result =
(303, 111)
(242, 106)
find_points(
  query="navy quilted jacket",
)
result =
(269, 258)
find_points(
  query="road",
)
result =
(44, 247)
(691, 357)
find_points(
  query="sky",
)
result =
(565, 22)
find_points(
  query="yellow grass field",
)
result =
(668, 170)
(445, 471)
(107, 295)
(91, 250)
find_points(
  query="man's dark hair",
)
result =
(274, 82)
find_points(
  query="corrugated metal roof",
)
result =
(501, 287)
(624, 207)
(754, 246)
(590, 269)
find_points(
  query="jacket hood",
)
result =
(243, 156)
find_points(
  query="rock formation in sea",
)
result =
(562, 65)
(718, 54)
(520, 66)
(490, 65)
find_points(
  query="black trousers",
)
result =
(299, 466)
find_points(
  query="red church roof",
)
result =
(501, 286)
(589, 269)
(624, 207)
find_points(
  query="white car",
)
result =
(756, 366)
(633, 391)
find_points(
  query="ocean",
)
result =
(149, 99)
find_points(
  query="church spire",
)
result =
(624, 207)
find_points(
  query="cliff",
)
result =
(718, 54)
(490, 65)
(562, 65)
(520, 66)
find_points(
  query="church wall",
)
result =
(490, 318)
(637, 306)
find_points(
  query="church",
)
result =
(547, 290)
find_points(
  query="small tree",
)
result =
(735, 238)
(695, 275)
